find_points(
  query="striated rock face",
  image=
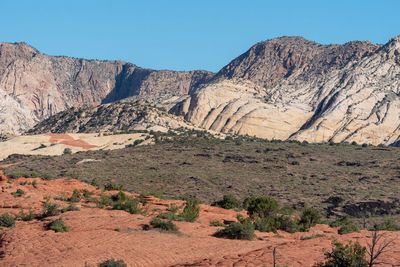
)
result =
(118, 117)
(292, 88)
(34, 86)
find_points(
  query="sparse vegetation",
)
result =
(228, 202)
(7, 220)
(18, 193)
(26, 216)
(217, 223)
(50, 209)
(113, 263)
(345, 225)
(239, 230)
(67, 151)
(57, 226)
(123, 202)
(75, 197)
(350, 255)
(191, 210)
(309, 218)
(164, 225)
(308, 237)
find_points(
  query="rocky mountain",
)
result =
(293, 88)
(118, 117)
(34, 86)
(284, 88)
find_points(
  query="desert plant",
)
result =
(113, 263)
(378, 246)
(261, 206)
(309, 217)
(350, 255)
(67, 151)
(26, 216)
(109, 186)
(216, 223)
(191, 210)
(75, 197)
(18, 193)
(50, 209)
(57, 226)
(228, 202)
(7, 220)
(238, 230)
(267, 224)
(387, 225)
(104, 201)
(164, 225)
(70, 208)
(345, 225)
(123, 202)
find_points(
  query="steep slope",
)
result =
(118, 117)
(34, 86)
(293, 88)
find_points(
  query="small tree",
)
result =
(350, 255)
(377, 247)
(261, 206)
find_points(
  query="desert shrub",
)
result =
(50, 209)
(173, 208)
(123, 202)
(169, 216)
(75, 197)
(67, 151)
(104, 201)
(267, 224)
(26, 216)
(350, 255)
(387, 225)
(57, 226)
(345, 225)
(309, 217)
(7, 220)
(216, 223)
(18, 193)
(228, 202)
(191, 210)
(164, 225)
(261, 206)
(70, 208)
(113, 263)
(308, 237)
(87, 195)
(95, 183)
(238, 230)
(287, 224)
(109, 186)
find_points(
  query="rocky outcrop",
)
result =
(291, 88)
(34, 86)
(118, 117)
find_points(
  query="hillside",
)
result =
(291, 88)
(34, 86)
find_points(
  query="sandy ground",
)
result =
(56, 143)
(99, 234)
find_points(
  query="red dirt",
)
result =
(99, 234)
(66, 139)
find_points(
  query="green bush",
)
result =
(110, 186)
(387, 225)
(191, 210)
(70, 208)
(268, 224)
(287, 224)
(228, 202)
(309, 217)
(243, 231)
(104, 201)
(164, 225)
(216, 223)
(261, 206)
(57, 226)
(67, 151)
(50, 209)
(26, 216)
(123, 202)
(113, 263)
(75, 197)
(345, 225)
(350, 255)
(7, 220)
(18, 193)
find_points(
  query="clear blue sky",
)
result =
(188, 34)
